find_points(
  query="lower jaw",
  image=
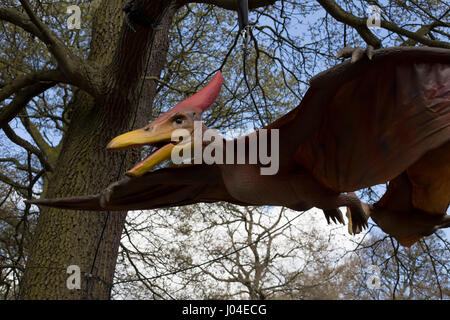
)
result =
(153, 160)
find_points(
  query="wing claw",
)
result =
(105, 197)
(357, 53)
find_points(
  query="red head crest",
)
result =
(202, 100)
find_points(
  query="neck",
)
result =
(253, 149)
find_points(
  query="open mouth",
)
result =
(161, 145)
(161, 152)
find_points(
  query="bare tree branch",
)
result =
(29, 79)
(27, 146)
(80, 73)
(16, 185)
(231, 4)
(50, 153)
(17, 18)
(417, 36)
(18, 165)
(359, 24)
(422, 31)
(21, 100)
(63, 55)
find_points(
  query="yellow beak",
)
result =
(151, 161)
(137, 138)
(142, 137)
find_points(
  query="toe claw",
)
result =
(334, 215)
(370, 51)
(327, 216)
(357, 218)
(345, 52)
(340, 217)
(106, 195)
(104, 198)
(357, 54)
(102, 201)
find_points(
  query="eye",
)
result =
(178, 120)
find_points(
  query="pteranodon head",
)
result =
(159, 132)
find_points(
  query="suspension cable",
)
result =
(108, 213)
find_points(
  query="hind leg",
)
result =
(306, 187)
(355, 212)
(334, 215)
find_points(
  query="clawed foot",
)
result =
(335, 215)
(105, 196)
(356, 53)
(357, 216)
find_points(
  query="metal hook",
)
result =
(245, 34)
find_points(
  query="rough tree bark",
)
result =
(66, 238)
(110, 81)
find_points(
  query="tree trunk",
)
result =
(90, 240)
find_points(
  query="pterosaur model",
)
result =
(383, 118)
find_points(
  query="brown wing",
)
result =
(415, 202)
(396, 215)
(363, 124)
(167, 187)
